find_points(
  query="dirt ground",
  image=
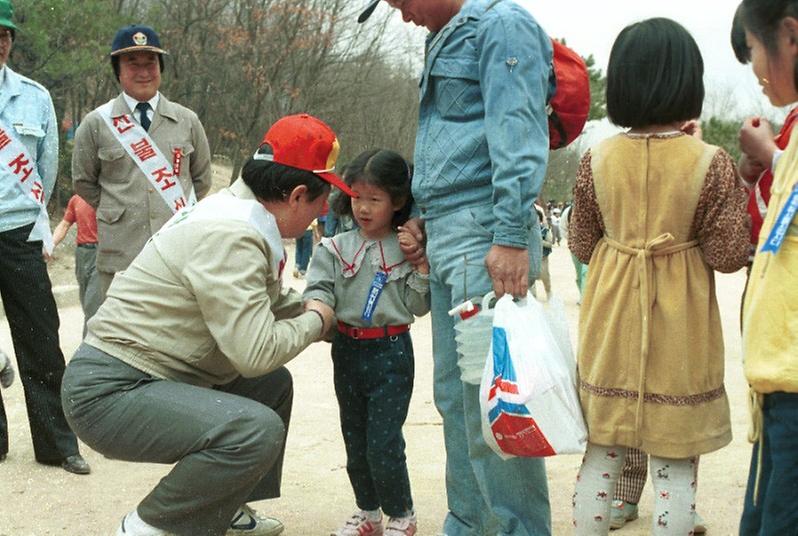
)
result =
(36, 500)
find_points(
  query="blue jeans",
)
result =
(304, 249)
(774, 512)
(486, 495)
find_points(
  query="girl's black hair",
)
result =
(762, 18)
(270, 181)
(738, 42)
(388, 171)
(655, 75)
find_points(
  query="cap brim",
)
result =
(6, 23)
(368, 11)
(142, 48)
(336, 181)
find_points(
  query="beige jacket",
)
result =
(129, 209)
(202, 305)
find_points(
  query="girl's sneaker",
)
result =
(360, 524)
(401, 526)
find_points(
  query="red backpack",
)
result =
(569, 107)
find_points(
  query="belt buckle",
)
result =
(354, 332)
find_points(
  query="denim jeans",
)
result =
(304, 249)
(373, 384)
(486, 495)
(774, 512)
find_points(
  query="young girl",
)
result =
(655, 211)
(376, 294)
(770, 315)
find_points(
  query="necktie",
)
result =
(144, 120)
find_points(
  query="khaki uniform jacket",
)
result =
(129, 209)
(202, 305)
(651, 355)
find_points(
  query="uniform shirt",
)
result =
(27, 109)
(343, 268)
(131, 103)
(80, 212)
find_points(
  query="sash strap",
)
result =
(658, 247)
(20, 165)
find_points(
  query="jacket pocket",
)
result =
(111, 235)
(110, 215)
(456, 86)
(113, 164)
(29, 135)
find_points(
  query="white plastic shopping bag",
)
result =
(528, 393)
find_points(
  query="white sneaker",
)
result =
(401, 526)
(133, 525)
(359, 524)
(247, 522)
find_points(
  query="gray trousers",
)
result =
(227, 443)
(105, 279)
(88, 281)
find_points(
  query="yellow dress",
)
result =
(655, 215)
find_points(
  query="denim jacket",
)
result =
(27, 109)
(483, 130)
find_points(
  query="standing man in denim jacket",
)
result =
(480, 158)
(28, 168)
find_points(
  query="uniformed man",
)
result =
(28, 167)
(138, 158)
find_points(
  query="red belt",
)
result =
(355, 332)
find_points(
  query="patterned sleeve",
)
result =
(721, 224)
(585, 227)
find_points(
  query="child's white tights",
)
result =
(674, 488)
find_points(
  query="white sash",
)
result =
(149, 159)
(222, 206)
(14, 156)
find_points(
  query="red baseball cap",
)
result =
(305, 142)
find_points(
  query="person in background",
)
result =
(303, 252)
(80, 212)
(556, 234)
(139, 158)
(545, 241)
